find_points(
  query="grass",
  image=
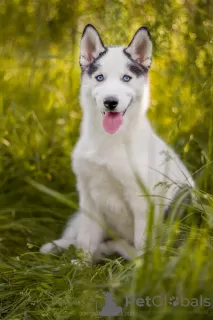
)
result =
(35, 286)
(37, 197)
(40, 117)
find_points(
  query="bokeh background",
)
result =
(39, 98)
(39, 124)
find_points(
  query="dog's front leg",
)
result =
(90, 235)
(90, 232)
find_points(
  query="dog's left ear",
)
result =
(140, 48)
(91, 46)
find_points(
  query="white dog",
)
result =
(116, 145)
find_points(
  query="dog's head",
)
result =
(114, 78)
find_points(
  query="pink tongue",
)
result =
(112, 121)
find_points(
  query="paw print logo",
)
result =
(173, 301)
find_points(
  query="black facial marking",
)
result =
(135, 63)
(93, 66)
(136, 69)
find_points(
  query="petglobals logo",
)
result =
(163, 301)
(111, 308)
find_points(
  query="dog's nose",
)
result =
(110, 103)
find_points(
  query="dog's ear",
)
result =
(91, 46)
(140, 48)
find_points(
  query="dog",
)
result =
(116, 149)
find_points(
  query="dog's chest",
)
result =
(107, 175)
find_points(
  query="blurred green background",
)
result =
(39, 95)
(39, 124)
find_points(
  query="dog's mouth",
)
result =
(123, 113)
(112, 121)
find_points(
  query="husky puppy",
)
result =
(117, 148)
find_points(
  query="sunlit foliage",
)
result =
(40, 116)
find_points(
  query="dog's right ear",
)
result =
(91, 46)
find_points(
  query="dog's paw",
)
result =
(101, 253)
(57, 246)
(49, 247)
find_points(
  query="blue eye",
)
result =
(100, 77)
(126, 78)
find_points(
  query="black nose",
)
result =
(111, 103)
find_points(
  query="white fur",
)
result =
(105, 165)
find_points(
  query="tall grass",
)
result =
(39, 125)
